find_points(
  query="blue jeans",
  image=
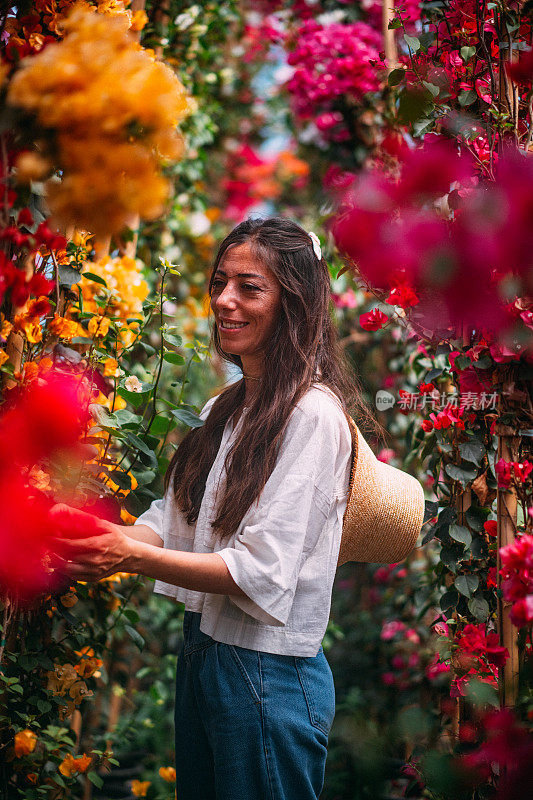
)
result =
(250, 725)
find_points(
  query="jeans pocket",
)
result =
(316, 680)
(249, 666)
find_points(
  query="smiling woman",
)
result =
(248, 533)
(246, 300)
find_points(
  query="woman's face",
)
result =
(246, 300)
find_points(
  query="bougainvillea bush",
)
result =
(98, 349)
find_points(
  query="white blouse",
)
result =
(284, 553)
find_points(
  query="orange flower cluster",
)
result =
(48, 17)
(25, 742)
(65, 681)
(140, 788)
(114, 110)
(168, 774)
(72, 765)
(266, 179)
(125, 292)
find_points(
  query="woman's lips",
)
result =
(240, 327)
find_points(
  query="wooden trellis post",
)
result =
(391, 52)
(507, 519)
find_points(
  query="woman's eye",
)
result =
(249, 287)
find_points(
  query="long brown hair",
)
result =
(303, 348)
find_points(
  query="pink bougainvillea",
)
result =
(335, 63)
(517, 578)
(457, 263)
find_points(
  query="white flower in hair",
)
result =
(316, 244)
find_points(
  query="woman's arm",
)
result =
(201, 572)
(142, 533)
(92, 549)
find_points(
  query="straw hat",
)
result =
(385, 509)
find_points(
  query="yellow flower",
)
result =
(140, 788)
(124, 292)
(3, 357)
(99, 326)
(110, 367)
(65, 328)
(168, 774)
(67, 767)
(30, 327)
(31, 167)
(126, 517)
(70, 765)
(80, 238)
(139, 20)
(88, 667)
(5, 327)
(25, 742)
(93, 88)
(79, 691)
(61, 679)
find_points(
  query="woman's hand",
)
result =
(89, 548)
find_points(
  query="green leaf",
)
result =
(120, 478)
(125, 417)
(135, 398)
(434, 90)
(476, 516)
(136, 636)
(144, 478)
(467, 53)
(132, 615)
(412, 42)
(472, 451)
(449, 599)
(450, 557)
(96, 278)
(421, 125)
(186, 416)
(148, 349)
(485, 362)
(68, 276)
(481, 693)
(479, 607)
(462, 362)
(173, 358)
(462, 474)
(413, 105)
(461, 534)
(103, 416)
(162, 425)
(172, 338)
(394, 24)
(95, 779)
(395, 77)
(467, 97)
(467, 584)
(138, 443)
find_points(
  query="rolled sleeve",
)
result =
(153, 517)
(266, 557)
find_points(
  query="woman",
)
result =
(248, 533)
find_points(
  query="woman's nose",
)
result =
(227, 298)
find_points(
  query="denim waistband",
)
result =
(193, 637)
